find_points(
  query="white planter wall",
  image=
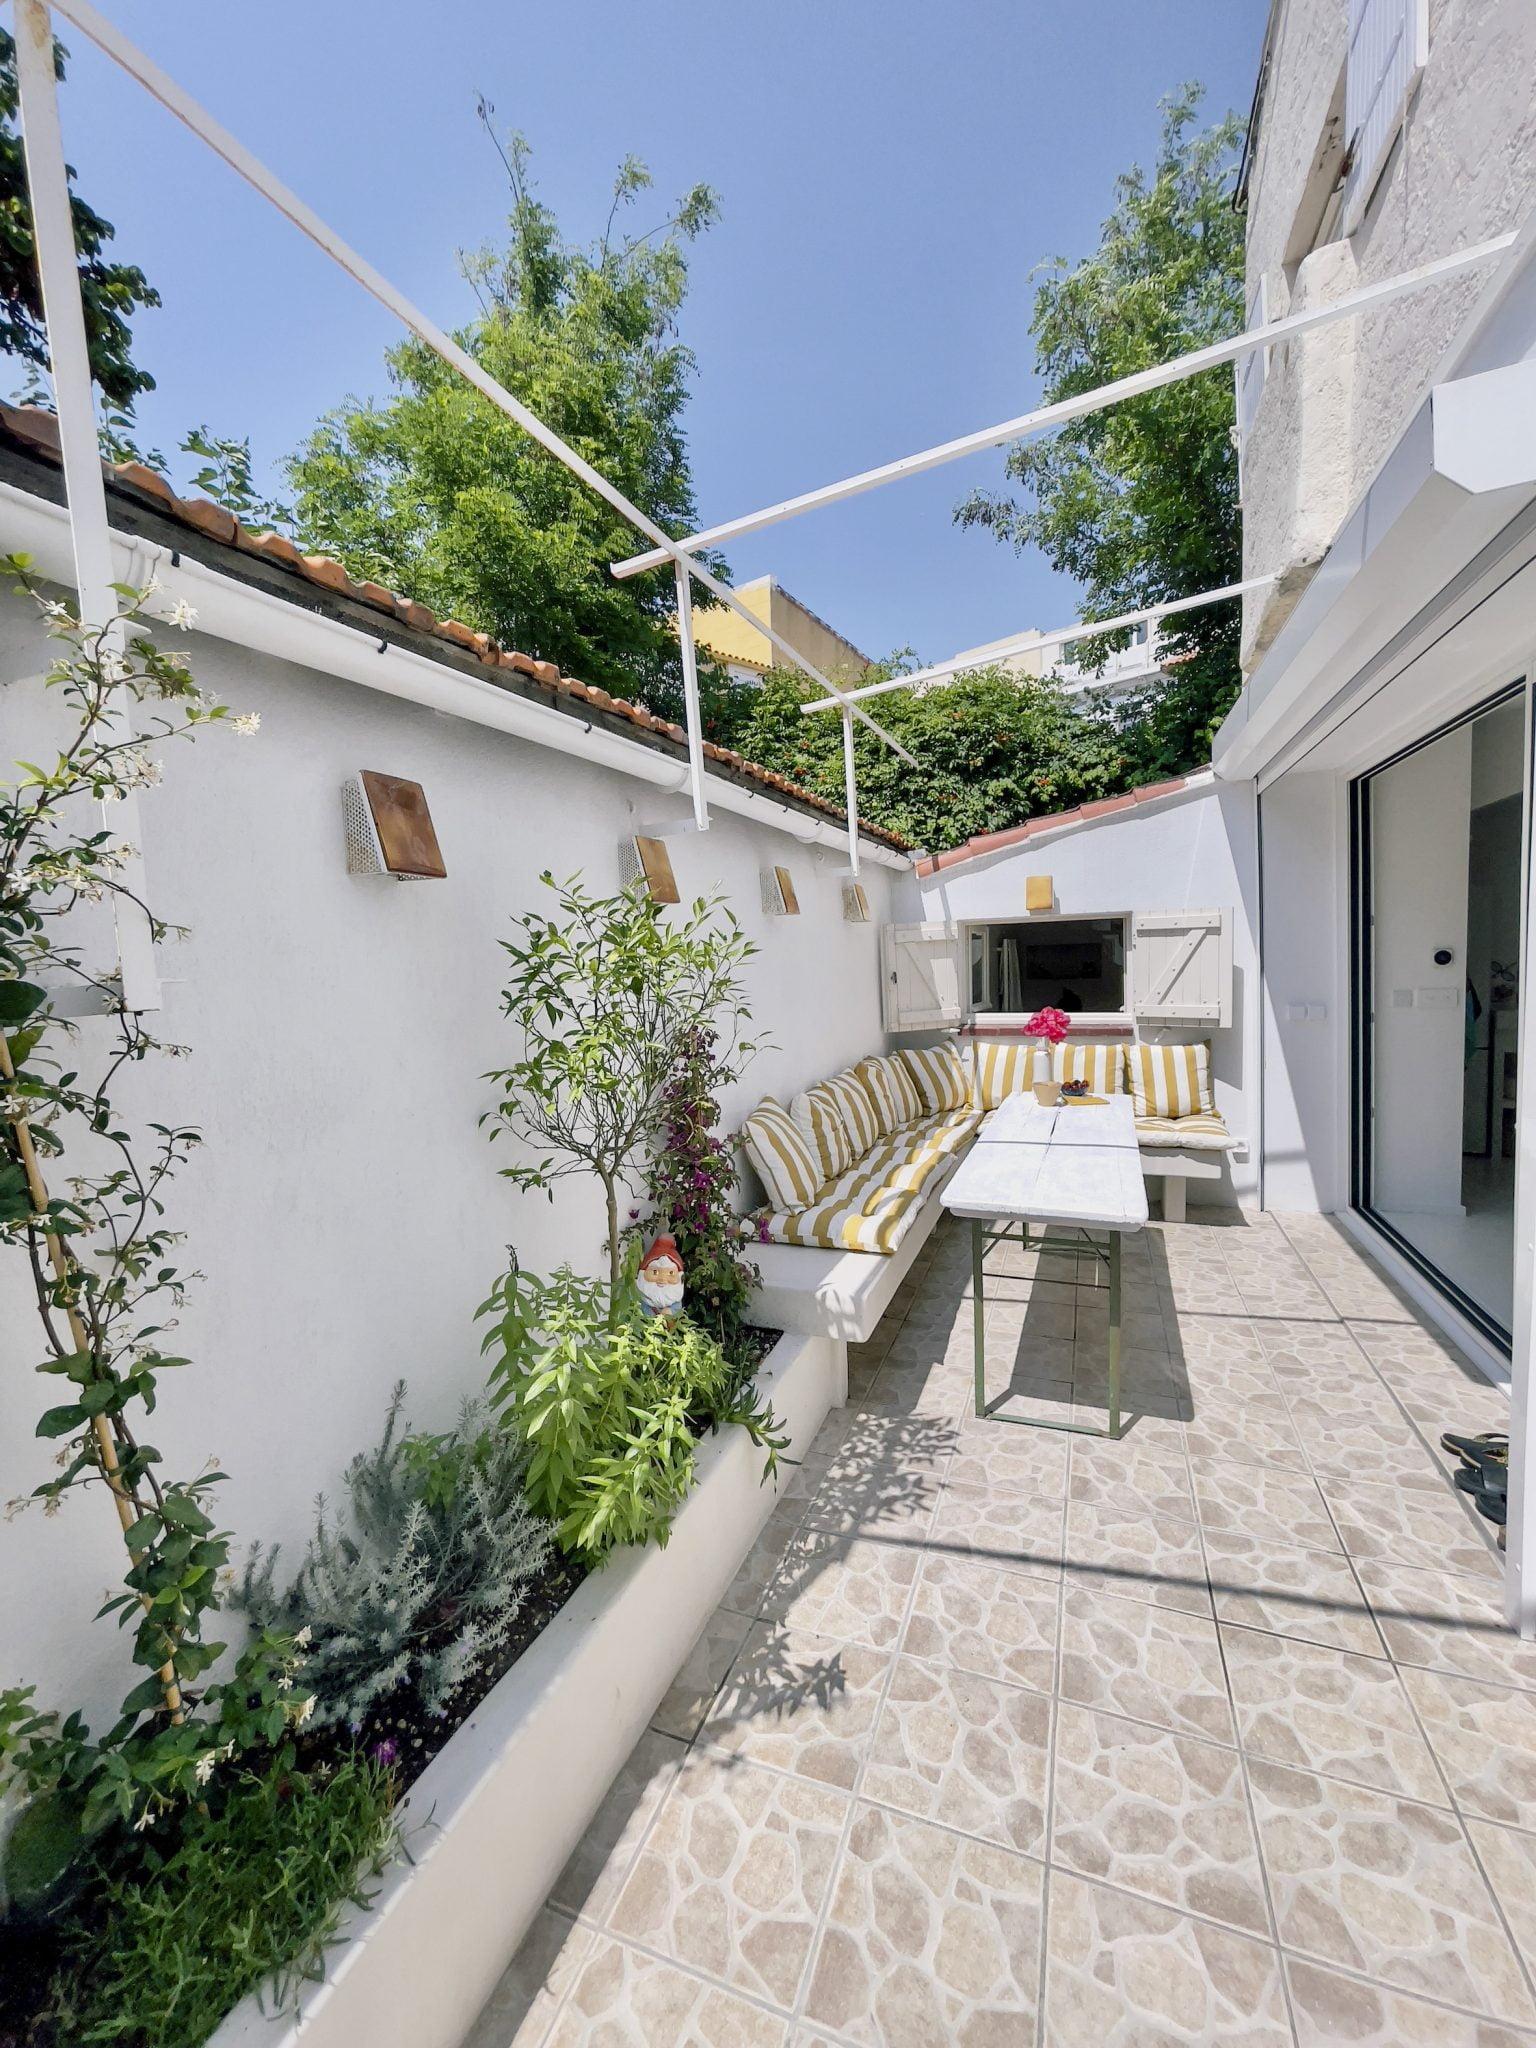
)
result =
(494, 1818)
(346, 1209)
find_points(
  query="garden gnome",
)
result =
(661, 1278)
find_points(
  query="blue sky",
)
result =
(890, 173)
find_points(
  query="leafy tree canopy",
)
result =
(1139, 503)
(112, 292)
(435, 492)
(993, 749)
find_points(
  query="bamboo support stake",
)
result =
(106, 1450)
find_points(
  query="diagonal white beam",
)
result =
(160, 86)
(1020, 643)
(1080, 406)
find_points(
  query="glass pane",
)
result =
(1445, 881)
(1073, 964)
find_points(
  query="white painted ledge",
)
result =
(494, 1818)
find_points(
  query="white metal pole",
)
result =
(1021, 642)
(240, 160)
(1084, 403)
(851, 794)
(53, 231)
(691, 697)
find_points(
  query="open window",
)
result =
(1075, 964)
(1150, 967)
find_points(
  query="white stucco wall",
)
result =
(1464, 169)
(346, 1210)
(1193, 851)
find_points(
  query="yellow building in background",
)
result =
(747, 653)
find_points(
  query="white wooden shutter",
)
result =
(1181, 967)
(1388, 48)
(919, 976)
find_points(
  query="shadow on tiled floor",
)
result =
(1006, 1737)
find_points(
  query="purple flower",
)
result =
(386, 1753)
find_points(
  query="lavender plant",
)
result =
(418, 1584)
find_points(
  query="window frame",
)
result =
(1086, 1020)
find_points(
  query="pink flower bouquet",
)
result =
(1050, 1027)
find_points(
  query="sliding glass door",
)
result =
(1438, 863)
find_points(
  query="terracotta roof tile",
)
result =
(1052, 821)
(39, 431)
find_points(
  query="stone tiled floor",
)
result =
(1003, 1737)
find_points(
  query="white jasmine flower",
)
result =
(183, 615)
(305, 1709)
(143, 1821)
(202, 1770)
(247, 723)
(304, 1638)
(285, 1683)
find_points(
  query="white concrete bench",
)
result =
(839, 1294)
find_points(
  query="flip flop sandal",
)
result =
(1475, 1448)
(1490, 1469)
(1494, 1505)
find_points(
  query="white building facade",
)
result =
(1389, 486)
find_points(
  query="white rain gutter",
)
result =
(264, 623)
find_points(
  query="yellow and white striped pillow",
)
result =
(939, 1076)
(1101, 1066)
(1171, 1080)
(856, 1107)
(778, 1149)
(820, 1120)
(893, 1092)
(1000, 1067)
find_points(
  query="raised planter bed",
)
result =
(494, 1817)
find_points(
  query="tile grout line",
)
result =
(824, 1914)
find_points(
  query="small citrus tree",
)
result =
(607, 995)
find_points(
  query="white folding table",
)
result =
(1076, 1166)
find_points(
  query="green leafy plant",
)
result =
(605, 993)
(420, 1582)
(610, 1404)
(100, 1263)
(1140, 503)
(993, 749)
(434, 491)
(248, 1897)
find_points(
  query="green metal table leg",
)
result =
(979, 1311)
(1114, 1333)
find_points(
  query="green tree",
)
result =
(435, 492)
(1139, 503)
(993, 749)
(112, 292)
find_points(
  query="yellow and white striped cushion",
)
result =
(1203, 1132)
(1000, 1067)
(939, 1075)
(1171, 1080)
(778, 1149)
(816, 1112)
(893, 1092)
(1101, 1066)
(856, 1107)
(869, 1208)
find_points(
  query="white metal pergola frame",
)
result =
(87, 501)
